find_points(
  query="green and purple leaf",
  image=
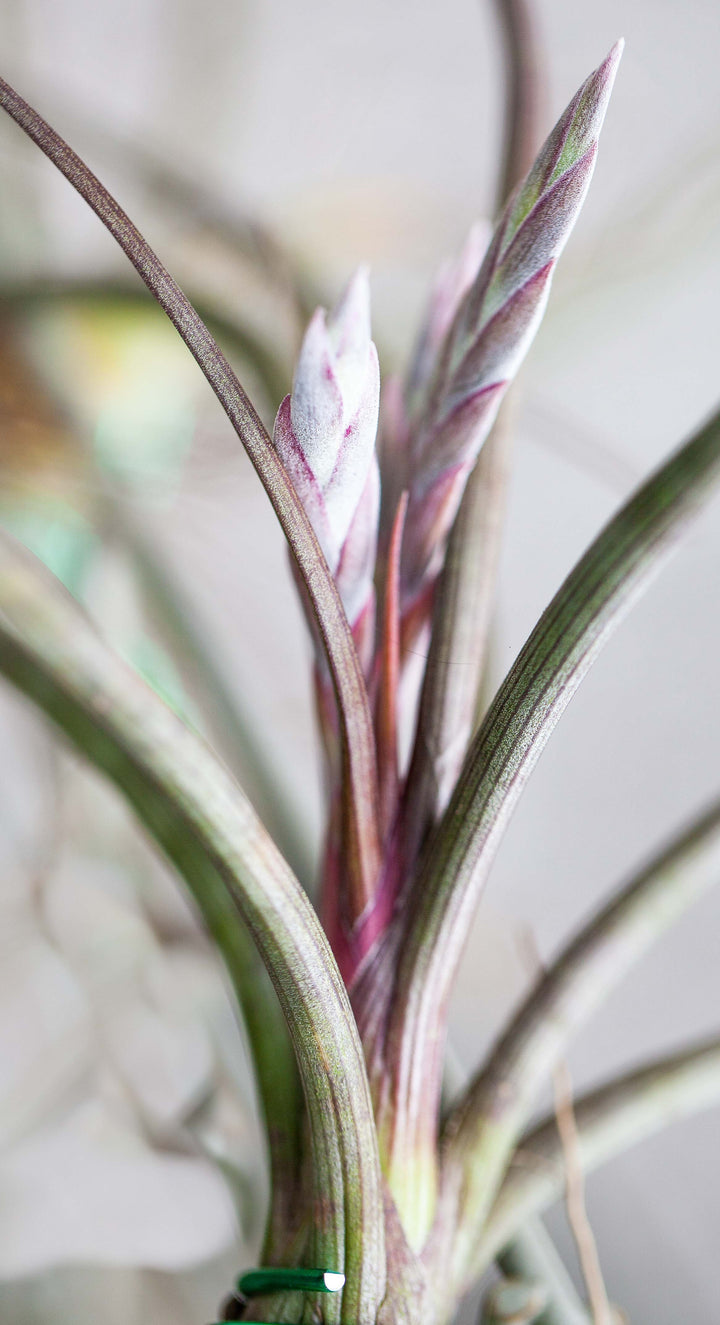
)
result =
(201, 819)
(560, 651)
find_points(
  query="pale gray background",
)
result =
(369, 133)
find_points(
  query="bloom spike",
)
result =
(389, 663)
(452, 284)
(492, 331)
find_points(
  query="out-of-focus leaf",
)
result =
(610, 1120)
(57, 534)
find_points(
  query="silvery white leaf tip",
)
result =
(351, 341)
(325, 434)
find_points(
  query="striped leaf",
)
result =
(560, 651)
(206, 826)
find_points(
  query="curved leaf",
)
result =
(204, 823)
(482, 1130)
(568, 638)
(610, 1120)
(361, 800)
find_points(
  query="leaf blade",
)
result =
(359, 769)
(199, 816)
(611, 1119)
(558, 654)
(484, 1127)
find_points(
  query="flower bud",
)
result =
(325, 434)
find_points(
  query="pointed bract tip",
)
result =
(350, 318)
(314, 352)
(608, 68)
(595, 97)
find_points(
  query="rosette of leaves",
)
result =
(369, 1176)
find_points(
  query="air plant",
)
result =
(374, 1176)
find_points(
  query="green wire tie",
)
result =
(276, 1279)
(256, 1283)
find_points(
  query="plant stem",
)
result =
(204, 823)
(458, 645)
(525, 78)
(389, 677)
(531, 1254)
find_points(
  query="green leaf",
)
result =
(483, 1128)
(610, 1120)
(360, 801)
(461, 626)
(560, 651)
(203, 822)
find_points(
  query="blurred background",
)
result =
(265, 149)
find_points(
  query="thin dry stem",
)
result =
(525, 80)
(575, 1198)
(610, 1120)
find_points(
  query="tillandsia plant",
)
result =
(378, 1187)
